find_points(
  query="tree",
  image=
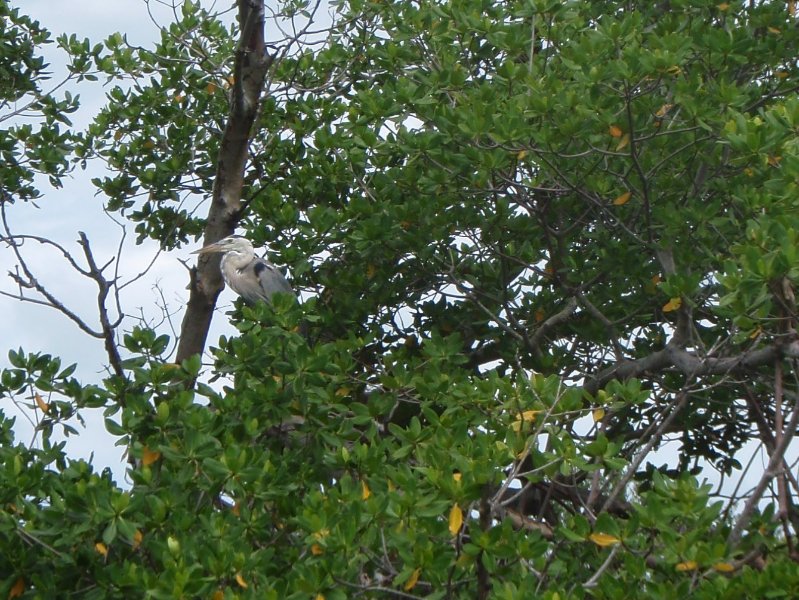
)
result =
(538, 241)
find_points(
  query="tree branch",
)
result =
(250, 68)
(691, 364)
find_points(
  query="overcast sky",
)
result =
(64, 212)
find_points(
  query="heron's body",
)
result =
(251, 277)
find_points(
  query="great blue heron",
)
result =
(251, 277)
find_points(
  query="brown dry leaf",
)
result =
(236, 510)
(17, 589)
(661, 112)
(723, 6)
(43, 406)
(603, 539)
(688, 565)
(615, 131)
(211, 87)
(455, 519)
(148, 145)
(623, 199)
(218, 595)
(316, 550)
(412, 580)
(371, 271)
(148, 456)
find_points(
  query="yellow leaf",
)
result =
(623, 142)
(623, 199)
(43, 406)
(661, 112)
(615, 131)
(230, 80)
(236, 510)
(101, 548)
(218, 595)
(137, 538)
(527, 416)
(118, 135)
(240, 580)
(781, 74)
(455, 519)
(723, 6)
(17, 589)
(724, 567)
(675, 70)
(774, 30)
(316, 550)
(598, 414)
(603, 539)
(319, 597)
(748, 172)
(521, 154)
(774, 161)
(343, 391)
(412, 580)
(321, 534)
(391, 486)
(148, 456)
(672, 305)
(688, 565)
(211, 87)
(365, 491)
(457, 476)
(371, 270)
(756, 333)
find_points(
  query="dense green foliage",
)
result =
(537, 239)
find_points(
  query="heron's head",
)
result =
(232, 243)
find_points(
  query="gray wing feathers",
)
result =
(270, 278)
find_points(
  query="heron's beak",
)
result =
(208, 249)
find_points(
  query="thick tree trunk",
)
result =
(251, 66)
